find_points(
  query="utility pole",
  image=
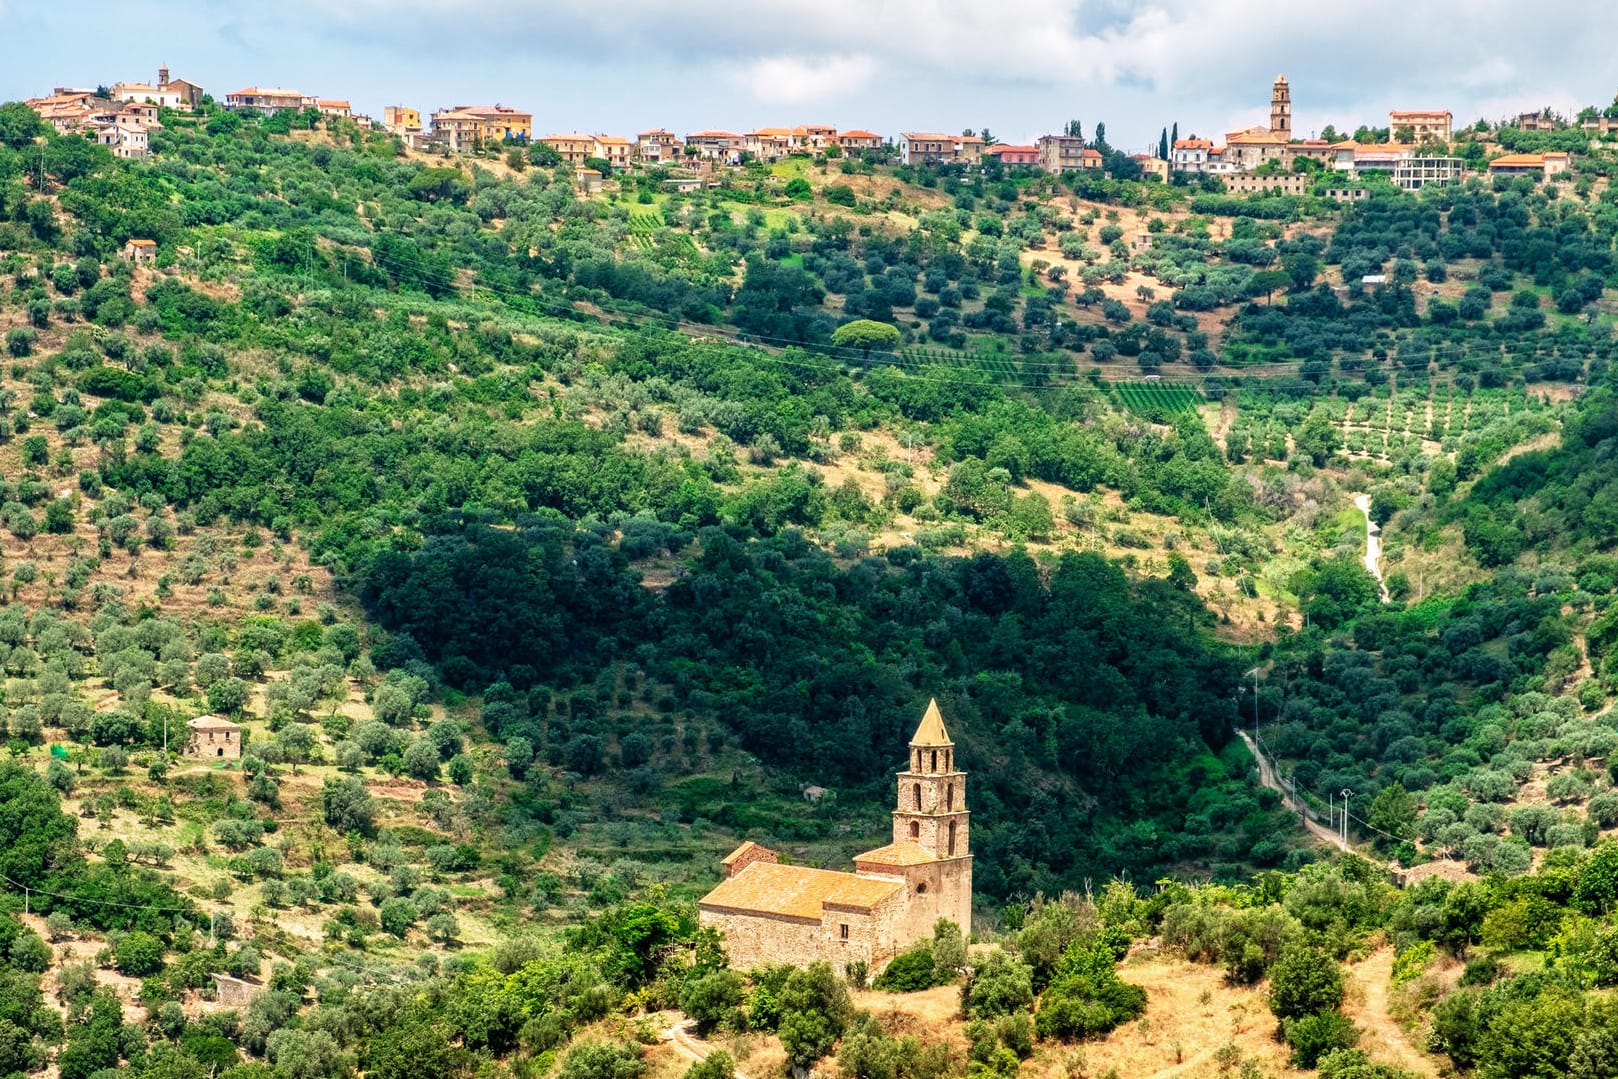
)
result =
(1347, 794)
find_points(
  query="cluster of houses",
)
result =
(1261, 159)
(1254, 159)
(121, 118)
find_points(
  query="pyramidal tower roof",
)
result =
(931, 732)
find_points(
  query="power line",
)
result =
(28, 890)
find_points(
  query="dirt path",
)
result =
(689, 1046)
(1373, 545)
(1267, 776)
(1384, 1039)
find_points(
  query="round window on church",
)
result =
(921, 889)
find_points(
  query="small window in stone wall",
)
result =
(844, 933)
(921, 889)
(915, 830)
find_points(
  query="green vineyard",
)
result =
(1157, 401)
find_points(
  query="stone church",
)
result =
(774, 913)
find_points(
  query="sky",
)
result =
(1017, 67)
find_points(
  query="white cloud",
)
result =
(795, 80)
(1013, 65)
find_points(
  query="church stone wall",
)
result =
(755, 939)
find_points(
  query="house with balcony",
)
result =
(1060, 153)
(852, 141)
(1190, 155)
(1354, 158)
(929, 148)
(1013, 155)
(1415, 173)
(725, 147)
(1420, 125)
(659, 147)
(467, 127)
(770, 143)
(126, 140)
(267, 99)
(575, 149)
(613, 149)
(1539, 166)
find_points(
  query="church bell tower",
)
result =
(931, 830)
(1281, 108)
(931, 810)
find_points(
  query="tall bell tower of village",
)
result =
(931, 814)
(1281, 108)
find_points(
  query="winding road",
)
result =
(1267, 776)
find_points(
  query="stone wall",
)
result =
(754, 940)
(234, 991)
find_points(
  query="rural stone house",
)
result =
(774, 913)
(214, 738)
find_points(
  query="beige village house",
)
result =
(774, 913)
(215, 738)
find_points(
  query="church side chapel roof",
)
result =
(931, 732)
(745, 848)
(900, 854)
(797, 891)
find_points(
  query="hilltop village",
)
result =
(1414, 148)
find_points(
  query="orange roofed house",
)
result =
(1013, 155)
(1551, 163)
(859, 140)
(774, 913)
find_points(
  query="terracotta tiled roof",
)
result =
(612, 140)
(1416, 113)
(713, 135)
(900, 854)
(859, 135)
(928, 136)
(746, 848)
(931, 730)
(1091, 155)
(1518, 161)
(1002, 148)
(1259, 135)
(201, 723)
(796, 891)
(1193, 143)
